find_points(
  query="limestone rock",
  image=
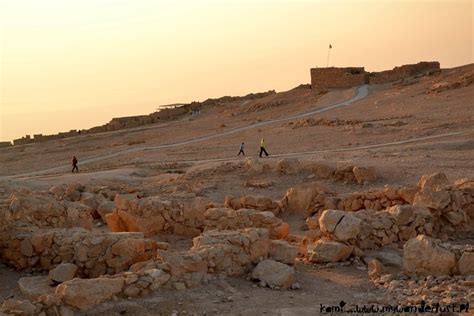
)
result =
(298, 199)
(375, 268)
(274, 273)
(364, 174)
(288, 166)
(433, 181)
(63, 272)
(282, 251)
(423, 255)
(437, 200)
(313, 221)
(329, 251)
(105, 207)
(329, 220)
(403, 214)
(456, 217)
(466, 263)
(86, 293)
(388, 257)
(348, 228)
(33, 287)
(260, 203)
(18, 307)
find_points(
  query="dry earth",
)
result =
(393, 136)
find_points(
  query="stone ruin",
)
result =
(59, 236)
(323, 79)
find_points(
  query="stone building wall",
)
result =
(338, 78)
(402, 72)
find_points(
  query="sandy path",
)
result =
(362, 92)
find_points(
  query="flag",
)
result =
(330, 46)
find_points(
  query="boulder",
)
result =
(35, 286)
(282, 251)
(281, 231)
(375, 268)
(403, 214)
(422, 255)
(328, 251)
(63, 272)
(260, 203)
(298, 199)
(18, 307)
(388, 257)
(256, 166)
(456, 217)
(313, 221)
(322, 171)
(436, 200)
(364, 174)
(348, 228)
(73, 192)
(466, 263)
(407, 193)
(105, 207)
(274, 273)
(288, 166)
(330, 219)
(86, 293)
(434, 181)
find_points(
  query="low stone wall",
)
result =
(94, 254)
(402, 72)
(226, 218)
(256, 202)
(428, 256)
(153, 215)
(438, 209)
(228, 252)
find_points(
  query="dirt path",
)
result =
(291, 154)
(362, 92)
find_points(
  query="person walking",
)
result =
(262, 148)
(241, 151)
(74, 164)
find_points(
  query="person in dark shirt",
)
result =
(74, 164)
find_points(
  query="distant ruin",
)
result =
(322, 79)
(163, 114)
(347, 77)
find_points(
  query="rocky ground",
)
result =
(367, 204)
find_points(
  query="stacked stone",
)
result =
(346, 174)
(377, 199)
(256, 202)
(428, 256)
(230, 252)
(93, 253)
(230, 219)
(153, 215)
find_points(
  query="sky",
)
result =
(68, 64)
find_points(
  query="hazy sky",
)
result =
(71, 64)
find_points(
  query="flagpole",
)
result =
(329, 50)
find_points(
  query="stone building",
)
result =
(347, 77)
(338, 78)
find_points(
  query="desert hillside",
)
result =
(367, 197)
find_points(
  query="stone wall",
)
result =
(95, 254)
(402, 72)
(344, 78)
(337, 78)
